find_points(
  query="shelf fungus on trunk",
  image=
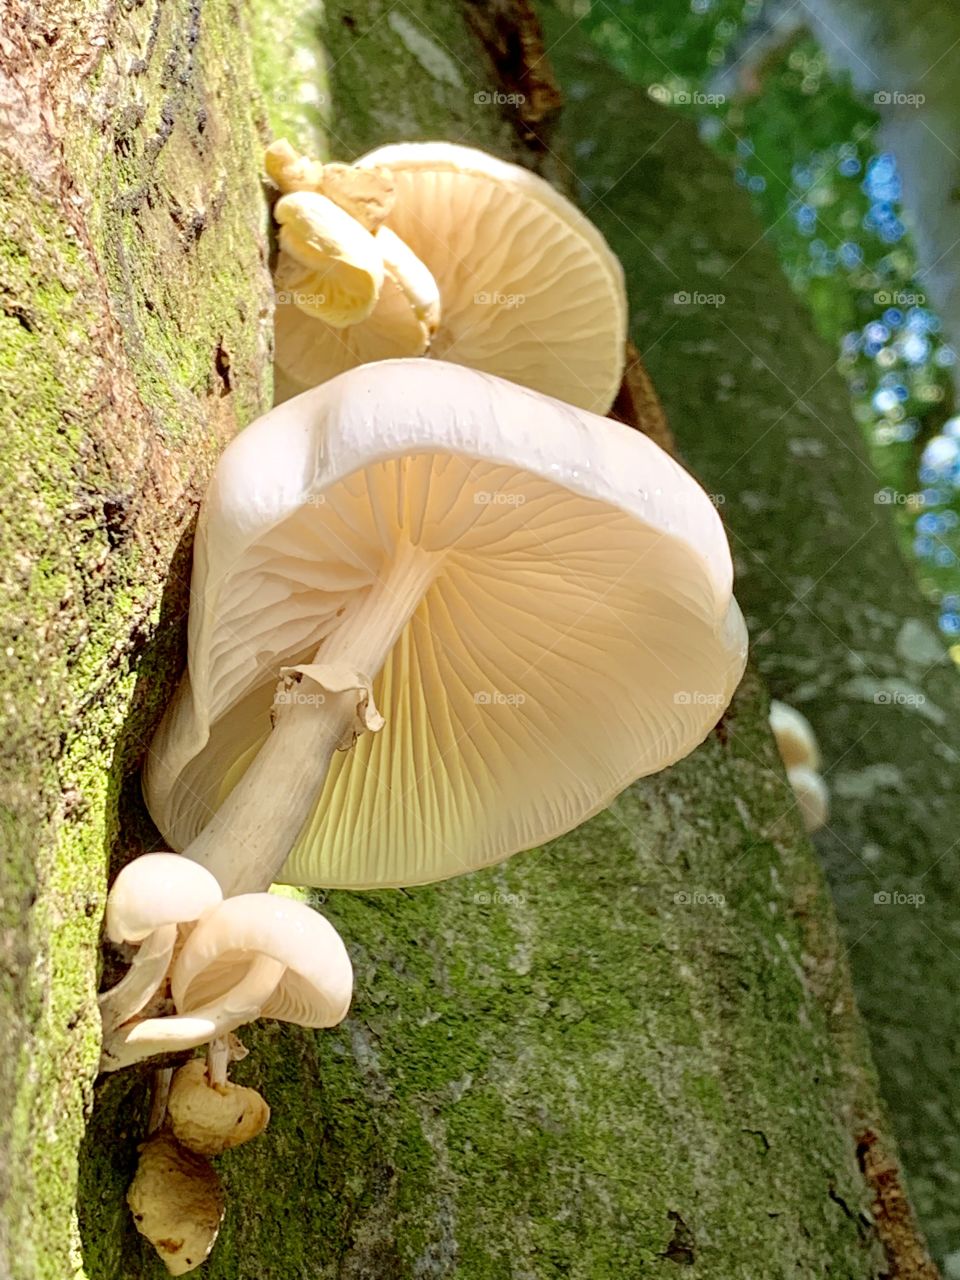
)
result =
(534, 603)
(504, 273)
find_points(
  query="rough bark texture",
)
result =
(633, 1050)
(838, 626)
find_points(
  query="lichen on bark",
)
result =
(632, 1050)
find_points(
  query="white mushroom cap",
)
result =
(315, 983)
(796, 741)
(154, 890)
(529, 288)
(813, 798)
(561, 619)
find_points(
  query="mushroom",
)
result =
(813, 798)
(177, 1202)
(796, 741)
(150, 897)
(528, 287)
(255, 955)
(800, 754)
(539, 601)
(331, 266)
(210, 1118)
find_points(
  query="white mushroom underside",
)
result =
(529, 289)
(521, 638)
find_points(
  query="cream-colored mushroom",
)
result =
(813, 798)
(537, 600)
(177, 1202)
(796, 741)
(386, 304)
(255, 955)
(150, 897)
(210, 1118)
(528, 287)
(330, 267)
(800, 753)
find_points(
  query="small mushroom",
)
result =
(813, 798)
(796, 741)
(366, 194)
(177, 1202)
(538, 600)
(150, 897)
(211, 1118)
(797, 744)
(255, 955)
(528, 287)
(330, 265)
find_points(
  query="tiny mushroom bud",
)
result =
(211, 1118)
(177, 1202)
(255, 955)
(149, 898)
(538, 601)
(528, 287)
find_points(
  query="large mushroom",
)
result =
(490, 266)
(539, 602)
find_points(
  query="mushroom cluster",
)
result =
(428, 248)
(439, 616)
(800, 754)
(238, 959)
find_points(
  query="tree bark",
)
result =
(838, 626)
(631, 1050)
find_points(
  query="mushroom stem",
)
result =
(135, 1041)
(218, 1060)
(158, 1102)
(250, 837)
(141, 981)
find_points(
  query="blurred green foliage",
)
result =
(805, 147)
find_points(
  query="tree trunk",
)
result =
(631, 1050)
(838, 626)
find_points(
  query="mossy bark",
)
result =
(633, 1050)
